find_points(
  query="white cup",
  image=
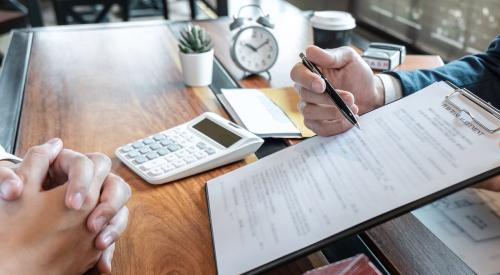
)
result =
(332, 29)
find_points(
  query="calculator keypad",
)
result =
(164, 153)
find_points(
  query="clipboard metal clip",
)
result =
(478, 101)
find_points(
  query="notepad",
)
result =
(298, 200)
(266, 112)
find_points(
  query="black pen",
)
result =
(331, 92)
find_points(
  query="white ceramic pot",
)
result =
(197, 68)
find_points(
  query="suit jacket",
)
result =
(478, 73)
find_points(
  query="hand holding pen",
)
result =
(332, 93)
(352, 78)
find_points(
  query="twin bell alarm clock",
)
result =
(254, 49)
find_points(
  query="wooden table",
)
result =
(98, 87)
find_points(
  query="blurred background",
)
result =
(449, 28)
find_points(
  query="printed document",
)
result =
(468, 222)
(295, 198)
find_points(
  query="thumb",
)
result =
(333, 58)
(35, 166)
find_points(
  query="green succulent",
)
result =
(195, 39)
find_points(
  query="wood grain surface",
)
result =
(99, 89)
(406, 246)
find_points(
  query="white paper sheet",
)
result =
(322, 186)
(259, 114)
(468, 222)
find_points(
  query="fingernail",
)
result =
(76, 201)
(54, 141)
(107, 239)
(297, 87)
(7, 188)
(110, 268)
(99, 223)
(110, 262)
(317, 85)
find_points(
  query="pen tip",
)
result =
(357, 125)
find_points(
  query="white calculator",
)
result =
(201, 144)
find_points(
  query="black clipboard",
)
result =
(377, 220)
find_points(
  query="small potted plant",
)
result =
(197, 56)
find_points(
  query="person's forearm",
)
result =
(479, 73)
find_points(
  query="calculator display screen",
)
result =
(216, 132)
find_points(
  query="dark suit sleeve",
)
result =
(479, 73)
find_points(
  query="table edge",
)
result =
(12, 82)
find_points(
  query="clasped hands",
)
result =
(61, 212)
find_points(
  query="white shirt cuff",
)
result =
(8, 157)
(392, 88)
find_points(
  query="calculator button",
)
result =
(132, 154)
(155, 172)
(184, 143)
(201, 145)
(155, 146)
(210, 151)
(200, 154)
(126, 149)
(166, 142)
(159, 137)
(192, 149)
(171, 158)
(153, 163)
(182, 153)
(140, 160)
(138, 144)
(173, 147)
(163, 151)
(148, 141)
(167, 168)
(146, 166)
(152, 155)
(189, 159)
(144, 150)
(178, 163)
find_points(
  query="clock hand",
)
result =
(251, 47)
(263, 44)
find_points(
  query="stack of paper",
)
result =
(266, 113)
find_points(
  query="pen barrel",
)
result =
(337, 100)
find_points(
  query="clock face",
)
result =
(255, 49)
